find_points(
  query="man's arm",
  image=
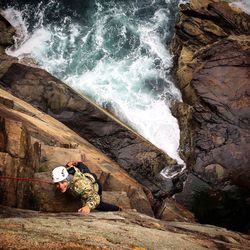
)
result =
(90, 197)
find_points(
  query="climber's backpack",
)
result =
(85, 170)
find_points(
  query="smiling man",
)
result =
(82, 186)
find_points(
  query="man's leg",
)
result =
(103, 206)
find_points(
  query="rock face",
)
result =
(21, 229)
(139, 157)
(184, 113)
(212, 42)
(33, 143)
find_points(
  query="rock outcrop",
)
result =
(137, 156)
(212, 43)
(21, 229)
(33, 143)
(173, 211)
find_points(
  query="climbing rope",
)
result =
(25, 179)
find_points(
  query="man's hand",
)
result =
(84, 210)
(72, 163)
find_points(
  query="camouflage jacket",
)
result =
(84, 186)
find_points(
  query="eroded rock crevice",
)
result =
(18, 159)
(213, 75)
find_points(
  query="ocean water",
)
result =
(113, 51)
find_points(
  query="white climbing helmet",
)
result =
(59, 174)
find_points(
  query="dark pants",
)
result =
(103, 206)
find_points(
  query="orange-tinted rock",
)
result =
(137, 156)
(34, 143)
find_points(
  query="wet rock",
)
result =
(184, 113)
(6, 39)
(193, 186)
(6, 32)
(5, 61)
(171, 180)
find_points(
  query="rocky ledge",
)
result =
(119, 230)
(212, 48)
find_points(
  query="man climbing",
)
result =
(78, 181)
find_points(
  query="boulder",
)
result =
(33, 143)
(173, 211)
(212, 45)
